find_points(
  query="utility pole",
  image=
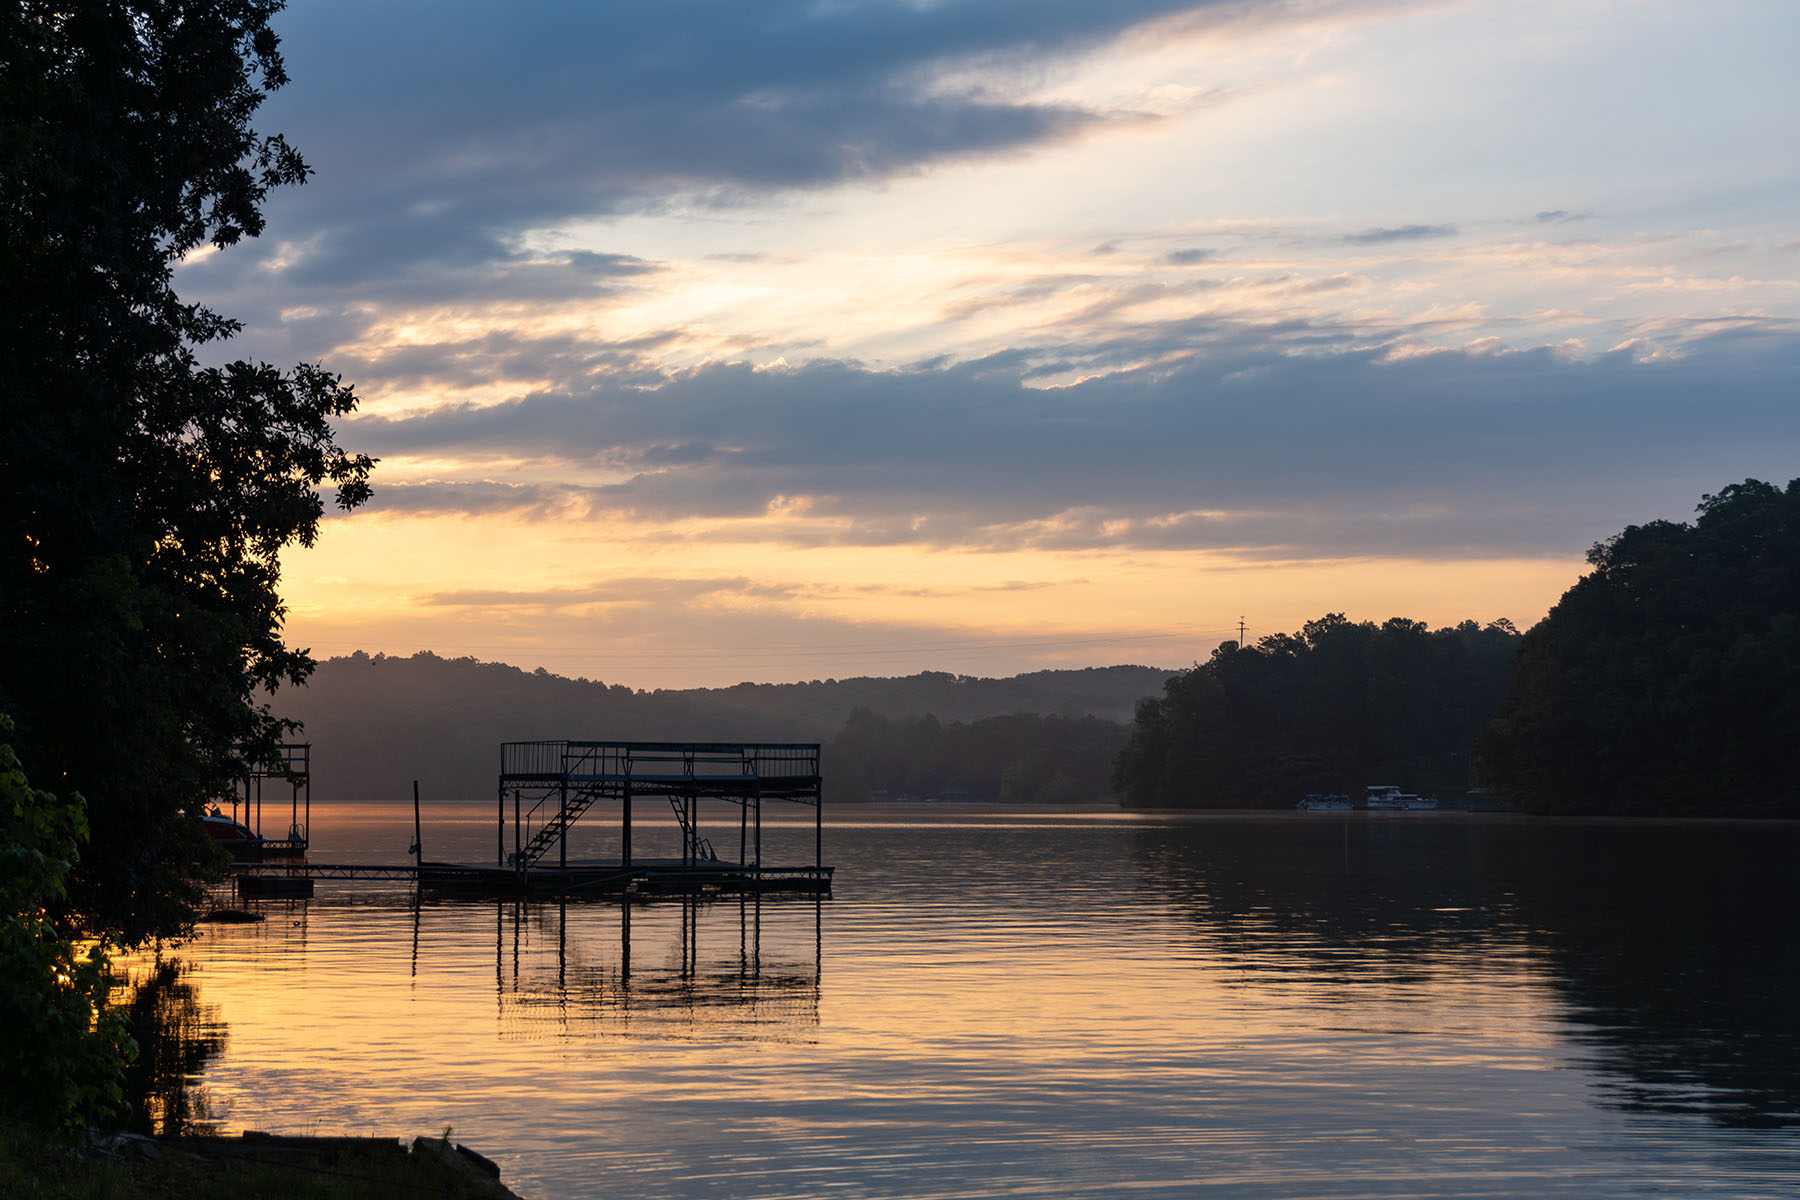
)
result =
(1240, 633)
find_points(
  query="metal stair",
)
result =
(556, 827)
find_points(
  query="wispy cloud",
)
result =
(1398, 233)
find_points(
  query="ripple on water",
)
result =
(1019, 1007)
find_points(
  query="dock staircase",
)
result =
(557, 781)
(554, 828)
(699, 849)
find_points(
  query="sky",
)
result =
(721, 340)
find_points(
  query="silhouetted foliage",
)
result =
(1668, 679)
(1022, 758)
(62, 1049)
(1337, 706)
(146, 498)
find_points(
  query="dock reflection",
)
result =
(738, 968)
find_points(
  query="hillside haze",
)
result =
(376, 723)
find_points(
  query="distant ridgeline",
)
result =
(1333, 708)
(377, 723)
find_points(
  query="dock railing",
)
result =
(551, 783)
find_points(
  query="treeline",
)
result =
(1023, 758)
(1332, 708)
(821, 706)
(1667, 680)
(378, 722)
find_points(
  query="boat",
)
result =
(1385, 797)
(1326, 802)
(232, 834)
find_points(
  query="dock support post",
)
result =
(758, 797)
(743, 828)
(562, 815)
(518, 850)
(418, 841)
(625, 829)
(818, 828)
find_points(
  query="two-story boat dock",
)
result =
(546, 787)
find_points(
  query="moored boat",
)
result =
(1385, 797)
(233, 835)
(1325, 802)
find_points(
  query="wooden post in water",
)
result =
(418, 841)
(625, 829)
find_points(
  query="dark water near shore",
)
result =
(1007, 1004)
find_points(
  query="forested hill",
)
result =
(821, 706)
(376, 722)
(1331, 708)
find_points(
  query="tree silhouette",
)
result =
(1329, 709)
(1667, 680)
(145, 497)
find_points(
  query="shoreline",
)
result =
(222, 1167)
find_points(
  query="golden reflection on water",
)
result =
(999, 1004)
(563, 969)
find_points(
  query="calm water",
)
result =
(1003, 1004)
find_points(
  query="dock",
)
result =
(546, 787)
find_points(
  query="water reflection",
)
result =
(176, 1037)
(1680, 948)
(1675, 948)
(739, 969)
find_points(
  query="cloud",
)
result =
(1399, 233)
(1558, 216)
(620, 590)
(1249, 447)
(1187, 258)
(438, 143)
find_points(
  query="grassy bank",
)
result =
(221, 1168)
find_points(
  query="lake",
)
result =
(998, 1003)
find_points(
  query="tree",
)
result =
(1329, 709)
(62, 1051)
(1667, 680)
(144, 497)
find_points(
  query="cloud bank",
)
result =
(1337, 454)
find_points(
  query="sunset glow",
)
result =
(875, 338)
